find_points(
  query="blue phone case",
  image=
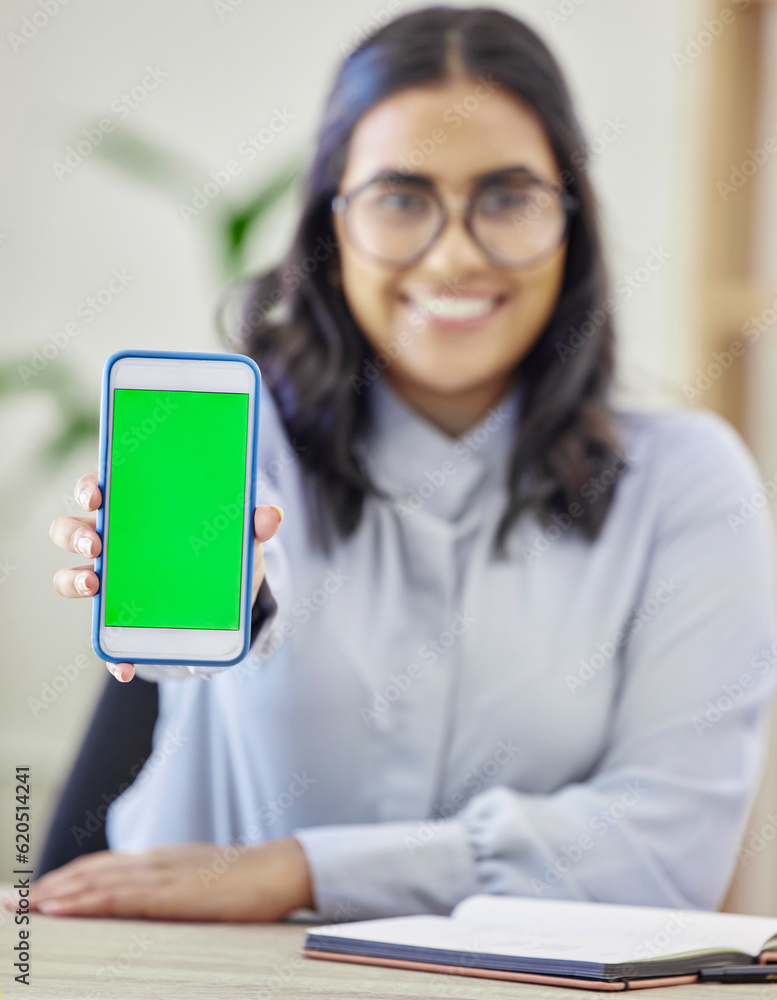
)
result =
(253, 435)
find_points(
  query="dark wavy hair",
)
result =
(296, 323)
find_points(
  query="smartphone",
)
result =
(177, 470)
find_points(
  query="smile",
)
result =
(459, 310)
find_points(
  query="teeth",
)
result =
(458, 308)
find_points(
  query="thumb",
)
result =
(267, 518)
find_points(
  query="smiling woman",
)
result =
(407, 292)
(469, 524)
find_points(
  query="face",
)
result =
(451, 133)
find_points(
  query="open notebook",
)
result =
(592, 945)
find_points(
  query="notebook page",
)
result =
(635, 932)
(459, 936)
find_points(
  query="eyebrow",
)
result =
(401, 177)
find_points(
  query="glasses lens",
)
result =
(517, 220)
(393, 221)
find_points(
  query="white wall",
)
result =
(225, 76)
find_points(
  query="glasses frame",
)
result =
(569, 203)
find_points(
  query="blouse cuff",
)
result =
(388, 869)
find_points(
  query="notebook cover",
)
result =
(520, 977)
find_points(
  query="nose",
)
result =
(454, 251)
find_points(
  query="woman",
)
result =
(500, 614)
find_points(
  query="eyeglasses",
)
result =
(515, 218)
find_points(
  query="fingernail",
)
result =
(84, 545)
(83, 498)
(81, 585)
(279, 509)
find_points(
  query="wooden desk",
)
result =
(95, 959)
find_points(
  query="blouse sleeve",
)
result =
(659, 820)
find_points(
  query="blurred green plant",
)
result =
(237, 224)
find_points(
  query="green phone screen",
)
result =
(175, 509)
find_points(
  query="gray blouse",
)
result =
(578, 720)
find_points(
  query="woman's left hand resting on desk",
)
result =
(200, 881)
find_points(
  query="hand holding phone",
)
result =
(78, 535)
(175, 532)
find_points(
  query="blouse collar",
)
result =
(415, 461)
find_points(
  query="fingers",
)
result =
(76, 534)
(76, 581)
(121, 900)
(97, 903)
(267, 518)
(107, 883)
(87, 492)
(104, 869)
(73, 876)
(123, 672)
